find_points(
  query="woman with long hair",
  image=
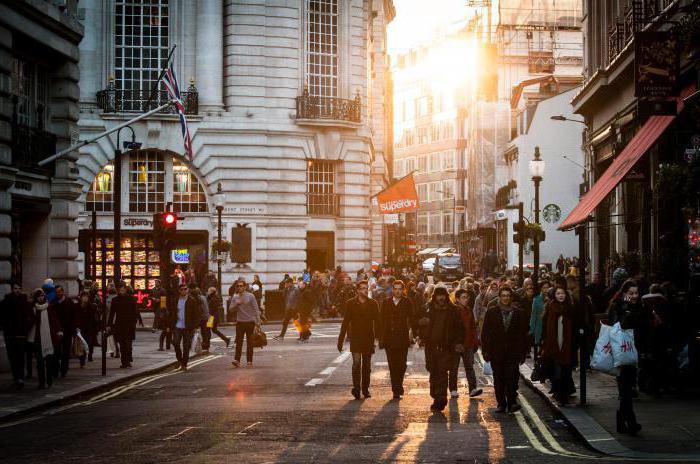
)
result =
(626, 308)
(45, 335)
(558, 343)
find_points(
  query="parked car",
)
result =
(428, 265)
(448, 267)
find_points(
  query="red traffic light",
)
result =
(169, 218)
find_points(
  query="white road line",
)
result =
(342, 358)
(127, 430)
(243, 432)
(313, 382)
(180, 433)
(327, 371)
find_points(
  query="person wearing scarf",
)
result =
(558, 343)
(45, 334)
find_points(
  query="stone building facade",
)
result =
(287, 104)
(39, 75)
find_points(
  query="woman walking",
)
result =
(45, 335)
(558, 343)
(626, 309)
(536, 317)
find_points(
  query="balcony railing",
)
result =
(112, 100)
(638, 13)
(329, 108)
(323, 204)
(31, 145)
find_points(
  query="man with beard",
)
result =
(504, 345)
(397, 319)
(443, 333)
(362, 319)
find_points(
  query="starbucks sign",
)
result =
(551, 213)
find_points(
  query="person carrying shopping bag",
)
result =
(247, 317)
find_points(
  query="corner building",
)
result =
(287, 108)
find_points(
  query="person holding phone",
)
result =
(247, 317)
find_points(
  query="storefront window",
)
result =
(146, 181)
(140, 262)
(188, 194)
(99, 197)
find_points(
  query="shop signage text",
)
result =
(137, 222)
(656, 64)
(246, 210)
(180, 256)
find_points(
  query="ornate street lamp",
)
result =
(537, 166)
(219, 202)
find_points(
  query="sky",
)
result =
(417, 21)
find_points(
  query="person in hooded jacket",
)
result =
(443, 333)
(559, 346)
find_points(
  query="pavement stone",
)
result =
(671, 424)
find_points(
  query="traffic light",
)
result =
(164, 228)
(519, 233)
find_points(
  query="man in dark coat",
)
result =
(362, 320)
(16, 320)
(504, 344)
(123, 315)
(397, 318)
(184, 319)
(443, 333)
(67, 311)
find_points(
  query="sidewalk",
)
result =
(671, 424)
(80, 381)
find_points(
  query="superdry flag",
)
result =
(399, 198)
(171, 84)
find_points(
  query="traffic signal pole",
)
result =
(521, 220)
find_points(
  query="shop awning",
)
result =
(635, 149)
(426, 251)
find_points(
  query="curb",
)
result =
(595, 436)
(91, 387)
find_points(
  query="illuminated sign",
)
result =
(180, 256)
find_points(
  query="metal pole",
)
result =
(117, 213)
(583, 349)
(104, 307)
(93, 250)
(219, 209)
(535, 275)
(521, 260)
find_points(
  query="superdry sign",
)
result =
(399, 198)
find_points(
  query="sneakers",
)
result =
(278, 338)
(476, 392)
(514, 408)
(236, 363)
(454, 394)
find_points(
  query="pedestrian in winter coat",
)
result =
(216, 308)
(443, 333)
(291, 298)
(247, 317)
(305, 307)
(123, 316)
(16, 320)
(558, 344)
(536, 317)
(88, 323)
(626, 309)
(184, 320)
(471, 344)
(45, 336)
(504, 344)
(67, 312)
(397, 325)
(657, 340)
(362, 320)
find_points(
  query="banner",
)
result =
(399, 198)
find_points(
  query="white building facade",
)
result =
(287, 109)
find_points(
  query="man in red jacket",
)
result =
(470, 346)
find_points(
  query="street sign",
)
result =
(460, 209)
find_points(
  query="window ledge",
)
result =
(328, 123)
(154, 117)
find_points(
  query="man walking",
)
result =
(504, 344)
(16, 320)
(67, 312)
(184, 321)
(247, 317)
(362, 320)
(397, 318)
(443, 333)
(470, 344)
(123, 315)
(291, 298)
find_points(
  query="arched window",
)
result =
(188, 194)
(99, 197)
(146, 181)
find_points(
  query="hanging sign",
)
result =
(551, 213)
(656, 64)
(399, 198)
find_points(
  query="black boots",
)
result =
(627, 424)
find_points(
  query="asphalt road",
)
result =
(293, 406)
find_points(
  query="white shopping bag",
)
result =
(487, 368)
(623, 350)
(602, 359)
(111, 345)
(197, 343)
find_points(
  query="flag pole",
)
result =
(154, 88)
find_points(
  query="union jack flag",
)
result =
(171, 84)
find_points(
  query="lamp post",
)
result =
(537, 166)
(220, 201)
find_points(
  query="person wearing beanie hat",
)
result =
(443, 333)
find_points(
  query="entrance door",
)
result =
(320, 250)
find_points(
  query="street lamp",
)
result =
(561, 117)
(219, 202)
(537, 166)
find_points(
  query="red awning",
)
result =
(635, 149)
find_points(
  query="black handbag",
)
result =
(259, 337)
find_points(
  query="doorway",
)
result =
(320, 251)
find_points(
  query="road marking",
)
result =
(385, 363)
(342, 358)
(327, 371)
(313, 382)
(180, 433)
(118, 434)
(243, 432)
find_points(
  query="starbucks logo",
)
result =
(551, 213)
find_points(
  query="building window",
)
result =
(435, 223)
(410, 165)
(139, 261)
(422, 190)
(320, 188)
(29, 93)
(99, 197)
(141, 47)
(322, 48)
(146, 182)
(448, 189)
(447, 226)
(435, 162)
(433, 189)
(422, 135)
(448, 160)
(422, 224)
(188, 194)
(423, 163)
(398, 168)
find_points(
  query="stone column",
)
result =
(65, 189)
(7, 172)
(210, 55)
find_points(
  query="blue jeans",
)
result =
(183, 336)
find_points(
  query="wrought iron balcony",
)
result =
(31, 145)
(329, 108)
(112, 100)
(323, 204)
(638, 13)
